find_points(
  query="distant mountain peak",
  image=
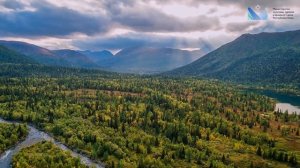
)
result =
(151, 59)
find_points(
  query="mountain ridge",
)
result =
(97, 56)
(10, 56)
(138, 60)
(37, 53)
(75, 58)
(247, 46)
(150, 59)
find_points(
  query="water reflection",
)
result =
(288, 102)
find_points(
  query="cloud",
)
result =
(278, 26)
(240, 27)
(148, 19)
(241, 3)
(263, 3)
(12, 4)
(134, 39)
(50, 20)
(94, 24)
(158, 22)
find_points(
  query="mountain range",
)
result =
(39, 54)
(64, 57)
(129, 60)
(263, 57)
(150, 60)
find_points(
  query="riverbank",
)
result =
(34, 136)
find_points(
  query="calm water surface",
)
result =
(291, 103)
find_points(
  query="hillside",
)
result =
(140, 60)
(261, 57)
(97, 56)
(150, 60)
(43, 55)
(10, 56)
(75, 58)
(38, 70)
(279, 65)
(39, 54)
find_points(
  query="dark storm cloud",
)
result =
(98, 19)
(132, 39)
(50, 20)
(12, 4)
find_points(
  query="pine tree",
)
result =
(251, 165)
(207, 136)
(223, 159)
(259, 152)
(123, 128)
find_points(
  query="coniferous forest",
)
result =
(45, 154)
(10, 134)
(145, 121)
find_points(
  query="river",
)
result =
(35, 136)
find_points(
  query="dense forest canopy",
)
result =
(146, 121)
(11, 134)
(45, 154)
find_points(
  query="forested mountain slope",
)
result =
(271, 57)
(98, 57)
(41, 55)
(75, 58)
(10, 56)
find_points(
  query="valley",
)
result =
(148, 84)
(144, 121)
(138, 60)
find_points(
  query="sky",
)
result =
(118, 24)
